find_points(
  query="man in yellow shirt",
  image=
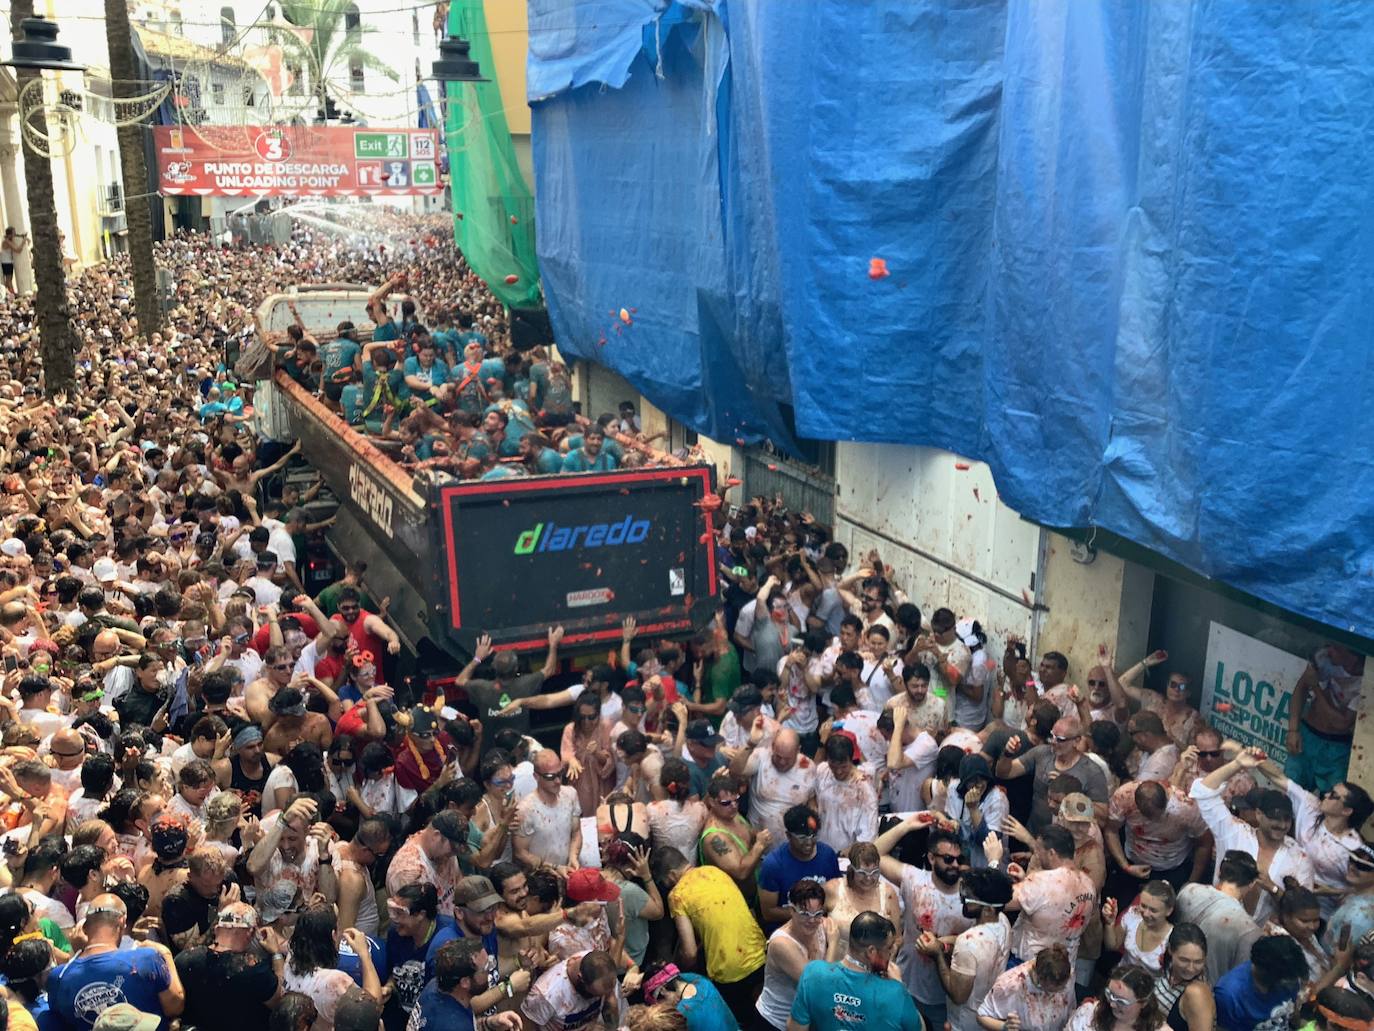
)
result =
(712, 916)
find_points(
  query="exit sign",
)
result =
(380, 145)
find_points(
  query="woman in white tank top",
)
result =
(676, 821)
(860, 889)
(805, 937)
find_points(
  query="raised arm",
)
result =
(551, 660)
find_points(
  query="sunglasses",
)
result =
(1211, 753)
(1096, 683)
(281, 666)
(503, 782)
(638, 710)
(867, 875)
(1118, 1000)
(550, 776)
(802, 838)
(945, 857)
(67, 755)
(728, 803)
(1065, 740)
(1180, 685)
(809, 914)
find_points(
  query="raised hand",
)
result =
(1109, 911)
(993, 849)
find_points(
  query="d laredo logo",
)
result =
(545, 537)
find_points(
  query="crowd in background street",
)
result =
(840, 806)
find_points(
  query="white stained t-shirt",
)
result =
(1013, 992)
(1130, 922)
(1228, 833)
(1159, 764)
(249, 664)
(1082, 1019)
(904, 785)
(863, 724)
(118, 681)
(265, 592)
(772, 793)
(1328, 852)
(848, 810)
(555, 1005)
(980, 953)
(1055, 908)
(878, 684)
(926, 908)
(803, 718)
(1164, 843)
(303, 873)
(549, 827)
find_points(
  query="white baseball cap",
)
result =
(105, 570)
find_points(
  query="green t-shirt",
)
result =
(328, 599)
(723, 678)
(54, 934)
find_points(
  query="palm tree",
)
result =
(137, 207)
(57, 341)
(323, 42)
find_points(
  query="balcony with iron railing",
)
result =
(111, 198)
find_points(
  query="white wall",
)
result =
(936, 518)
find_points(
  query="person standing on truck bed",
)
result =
(424, 372)
(591, 456)
(491, 696)
(298, 358)
(340, 358)
(467, 388)
(385, 325)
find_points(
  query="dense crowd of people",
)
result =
(837, 808)
(431, 379)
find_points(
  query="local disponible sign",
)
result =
(1248, 688)
(305, 161)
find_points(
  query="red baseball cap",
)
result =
(587, 885)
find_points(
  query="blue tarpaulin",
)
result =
(1129, 250)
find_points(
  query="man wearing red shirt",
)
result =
(368, 630)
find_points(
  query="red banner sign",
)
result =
(295, 161)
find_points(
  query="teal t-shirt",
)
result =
(834, 997)
(548, 461)
(503, 472)
(578, 462)
(387, 331)
(352, 398)
(609, 445)
(539, 378)
(438, 372)
(706, 1010)
(338, 355)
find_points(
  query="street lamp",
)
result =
(455, 63)
(40, 50)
